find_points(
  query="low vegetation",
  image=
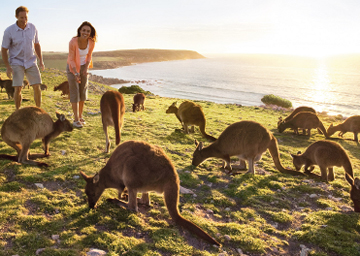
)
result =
(133, 89)
(268, 213)
(276, 100)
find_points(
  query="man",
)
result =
(21, 41)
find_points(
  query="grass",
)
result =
(269, 214)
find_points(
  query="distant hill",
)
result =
(119, 58)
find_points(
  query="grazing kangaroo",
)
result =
(26, 83)
(305, 121)
(351, 124)
(190, 113)
(325, 154)
(141, 168)
(295, 111)
(354, 191)
(25, 125)
(139, 101)
(112, 109)
(247, 140)
(64, 88)
(7, 84)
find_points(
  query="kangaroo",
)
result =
(295, 111)
(141, 167)
(305, 121)
(26, 83)
(190, 113)
(139, 101)
(351, 124)
(43, 87)
(112, 109)
(25, 125)
(247, 140)
(7, 84)
(63, 87)
(354, 191)
(326, 154)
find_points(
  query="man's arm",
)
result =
(5, 58)
(39, 54)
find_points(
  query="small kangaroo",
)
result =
(7, 84)
(354, 191)
(247, 140)
(141, 168)
(326, 154)
(190, 113)
(64, 88)
(305, 121)
(26, 83)
(25, 125)
(351, 124)
(112, 109)
(139, 101)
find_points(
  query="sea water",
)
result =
(328, 84)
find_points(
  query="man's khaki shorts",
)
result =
(32, 75)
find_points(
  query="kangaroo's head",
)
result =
(197, 156)
(297, 161)
(62, 123)
(331, 130)
(134, 107)
(172, 109)
(281, 126)
(93, 188)
(354, 191)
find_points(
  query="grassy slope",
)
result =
(269, 214)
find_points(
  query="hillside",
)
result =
(269, 213)
(119, 58)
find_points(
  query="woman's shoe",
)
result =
(77, 124)
(82, 121)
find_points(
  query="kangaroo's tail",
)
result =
(322, 129)
(205, 135)
(274, 151)
(171, 195)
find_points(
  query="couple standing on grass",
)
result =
(21, 43)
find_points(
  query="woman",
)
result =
(78, 62)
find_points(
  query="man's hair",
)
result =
(21, 9)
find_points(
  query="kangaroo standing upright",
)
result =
(247, 140)
(190, 113)
(112, 109)
(25, 125)
(139, 102)
(141, 168)
(325, 154)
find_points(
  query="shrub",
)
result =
(133, 89)
(276, 100)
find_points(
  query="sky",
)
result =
(306, 27)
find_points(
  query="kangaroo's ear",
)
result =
(200, 147)
(280, 119)
(85, 177)
(196, 142)
(292, 155)
(357, 183)
(57, 114)
(62, 118)
(331, 126)
(96, 178)
(299, 153)
(349, 179)
(174, 104)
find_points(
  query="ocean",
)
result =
(331, 85)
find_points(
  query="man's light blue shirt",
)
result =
(20, 43)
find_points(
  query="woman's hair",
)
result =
(93, 34)
(21, 9)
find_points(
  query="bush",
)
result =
(133, 89)
(276, 100)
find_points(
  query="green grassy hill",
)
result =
(267, 214)
(119, 58)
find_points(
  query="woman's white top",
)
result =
(83, 54)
